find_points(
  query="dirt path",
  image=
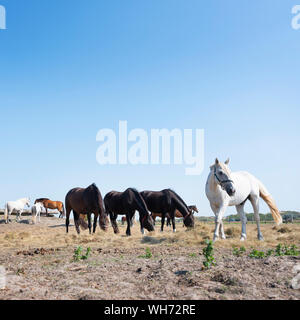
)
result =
(40, 265)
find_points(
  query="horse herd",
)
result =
(223, 189)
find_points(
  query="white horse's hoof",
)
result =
(174, 230)
(260, 238)
(215, 239)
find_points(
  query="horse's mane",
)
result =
(179, 198)
(41, 199)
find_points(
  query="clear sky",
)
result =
(70, 68)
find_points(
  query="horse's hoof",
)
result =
(260, 238)
(215, 239)
(223, 237)
(174, 230)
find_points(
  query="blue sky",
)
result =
(70, 68)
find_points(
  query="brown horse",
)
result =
(52, 205)
(192, 209)
(85, 202)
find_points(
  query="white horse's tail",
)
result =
(6, 212)
(266, 196)
(34, 214)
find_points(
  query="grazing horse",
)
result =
(85, 202)
(36, 211)
(225, 188)
(192, 209)
(18, 206)
(167, 202)
(127, 202)
(48, 204)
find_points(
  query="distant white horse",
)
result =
(17, 206)
(224, 189)
(36, 211)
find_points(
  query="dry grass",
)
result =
(51, 234)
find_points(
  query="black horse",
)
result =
(167, 202)
(127, 202)
(85, 202)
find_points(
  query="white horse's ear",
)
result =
(217, 161)
(227, 161)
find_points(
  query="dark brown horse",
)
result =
(127, 202)
(53, 205)
(192, 209)
(167, 202)
(85, 202)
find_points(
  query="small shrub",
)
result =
(148, 254)
(79, 256)
(257, 254)
(238, 252)
(208, 253)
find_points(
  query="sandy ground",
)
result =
(39, 263)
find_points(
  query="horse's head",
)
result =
(148, 222)
(222, 176)
(189, 220)
(104, 221)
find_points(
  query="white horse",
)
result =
(17, 206)
(36, 211)
(224, 189)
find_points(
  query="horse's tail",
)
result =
(266, 196)
(82, 222)
(63, 209)
(33, 214)
(6, 212)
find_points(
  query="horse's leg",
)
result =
(76, 221)
(128, 219)
(89, 222)
(163, 216)
(240, 210)
(219, 212)
(255, 204)
(113, 220)
(46, 211)
(172, 218)
(95, 222)
(68, 208)
(222, 233)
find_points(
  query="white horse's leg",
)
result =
(255, 204)
(222, 230)
(240, 210)
(219, 212)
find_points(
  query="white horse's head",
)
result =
(222, 176)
